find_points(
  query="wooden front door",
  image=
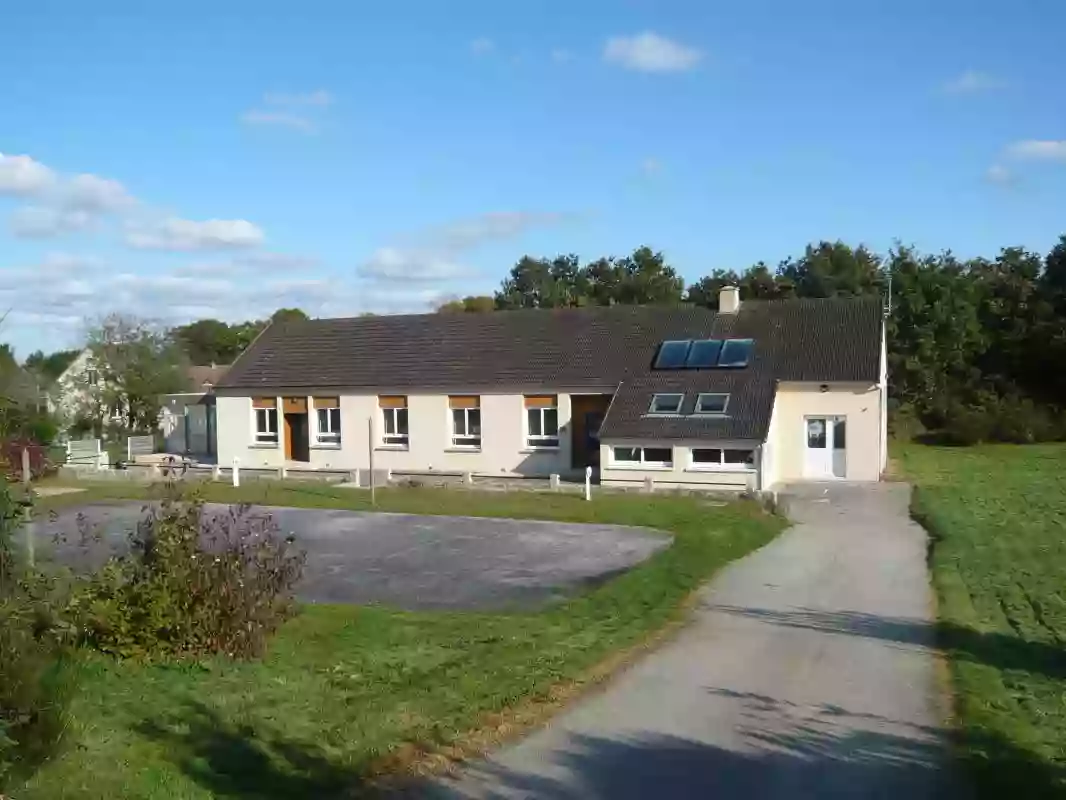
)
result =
(297, 429)
(586, 414)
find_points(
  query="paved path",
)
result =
(805, 674)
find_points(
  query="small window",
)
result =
(735, 353)
(466, 421)
(719, 458)
(711, 403)
(542, 421)
(327, 420)
(266, 425)
(394, 432)
(704, 353)
(643, 456)
(666, 404)
(92, 377)
(672, 354)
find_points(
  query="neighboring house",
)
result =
(76, 394)
(751, 396)
(187, 419)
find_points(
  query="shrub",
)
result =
(35, 678)
(11, 452)
(967, 425)
(195, 582)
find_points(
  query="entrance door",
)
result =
(586, 413)
(825, 453)
(297, 439)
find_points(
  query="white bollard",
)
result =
(282, 473)
(553, 482)
(236, 471)
(588, 483)
(216, 472)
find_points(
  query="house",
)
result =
(77, 393)
(754, 395)
(187, 419)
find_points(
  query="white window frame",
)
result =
(330, 436)
(541, 441)
(699, 400)
(263, 436)
(652, 411)
(395, 440)
(642, 463)
(468, 443)
(721, 465)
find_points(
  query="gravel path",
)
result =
(806, 674)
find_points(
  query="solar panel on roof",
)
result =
(735, 353)
(704, 353)
(672, 354)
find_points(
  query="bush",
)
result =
(11, 449)
(195, 582)
(967, 425)
(1013, 420)
(35, 678)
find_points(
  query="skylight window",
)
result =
(672, 354)
(666, 404)
(704, 353)
(735, 353)
(711, 403)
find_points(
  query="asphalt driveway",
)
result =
(405, 560)
(807, 673)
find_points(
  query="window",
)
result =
(328, 419)
(92, 377)
(651, 457)
(666, 404)
(704, 353)
(265, 411)
(711, 403)
(840, 432)
(672, 354)
(721, 458)
(466, 421)
(394, 421)
(542, 421)
(735, 353)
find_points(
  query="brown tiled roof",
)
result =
(202, 378)
(598, 348)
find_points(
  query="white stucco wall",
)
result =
(860, 404)
(680, 474)
(503, 450)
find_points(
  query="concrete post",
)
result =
(216, 472)
(649, 484)
(468, 477)
(588, 483)
(553, 482)
(353, 476)
(27, 474)
(236, 471)
(282, 473)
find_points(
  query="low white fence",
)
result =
(86, 453)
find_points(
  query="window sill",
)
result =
(554, 449)
(326, 446)
(263, 446)
(722, 468)
(644, 467)
(394, 447)
(462, 449)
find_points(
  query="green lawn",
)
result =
(345, 691)
(997, 516)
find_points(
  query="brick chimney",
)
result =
(729, 300)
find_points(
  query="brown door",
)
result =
(297, 439)
(586, 414)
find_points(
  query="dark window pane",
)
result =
(627, 454)
(746, 457)
(735, 353)
(711, 403)
(459, 421)
(474, 420)
(534, 421)
(666, 403)
(662, 455)
(551, 422)
(816, 434)
(390, 427)
(707, 455)
(704, 353)
(401, 421)
(840, 434)
(672, 354)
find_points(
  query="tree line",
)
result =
(977, 347)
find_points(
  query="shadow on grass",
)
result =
(776, 749)
(232, 761)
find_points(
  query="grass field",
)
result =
(997, 516)
(347, 691)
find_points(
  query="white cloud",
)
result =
(561, 56)
(42, 222)
(319, 97)
(281, 119)
(473, 232)
(268, 260)
(650, 52)
(184, 234)
(972, 82)
(394, 264)
(94, 194)
(1000, 176)
(482, 46)
(24, 177)
(1038, 150)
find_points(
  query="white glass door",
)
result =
(826, 450)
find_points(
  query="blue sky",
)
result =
(191, 159)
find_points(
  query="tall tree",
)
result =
(479, 304)
(828, 269)
(49, 367)
(648, 279)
